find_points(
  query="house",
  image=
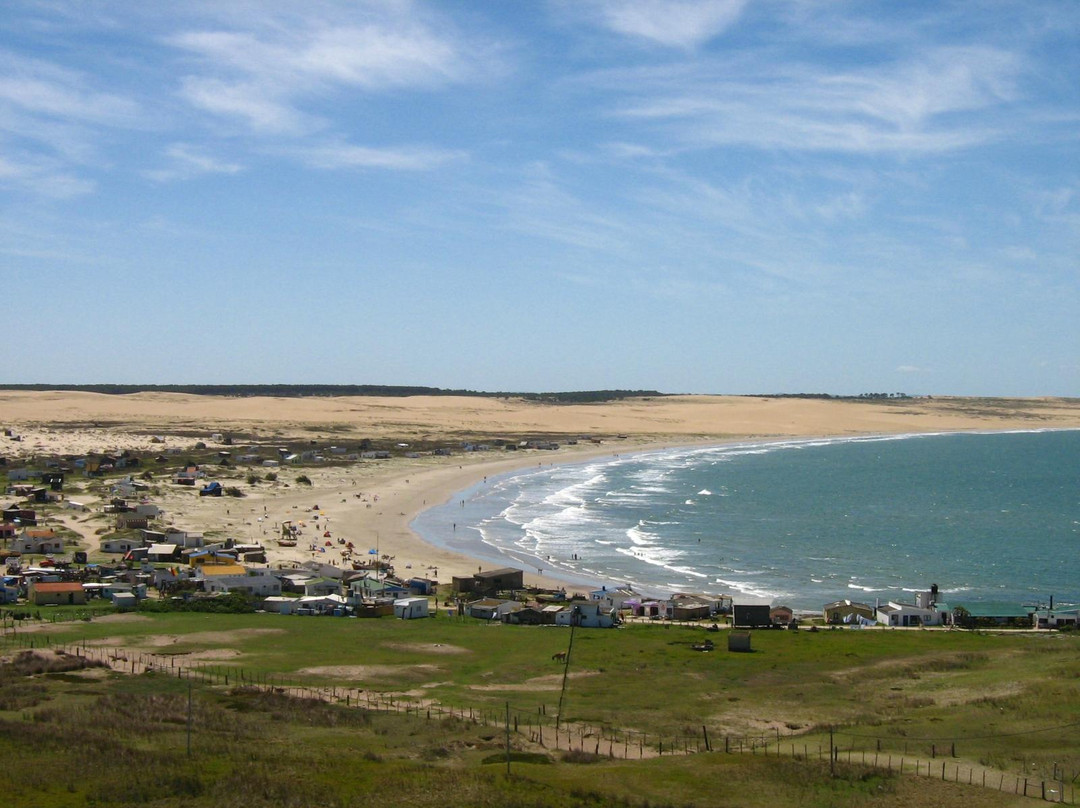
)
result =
(148, 509)
(750, 614)
(322, 586)
(1055, 618)
(19, 515)
(259, 581)
(59, 593)
(38, 540)
(131, 521)
(489, 608)
(781, 615)
(8, 530)
(528, 616)
(906, 615)
(163, 553)
(410, 608)
(687, 607)
(322, 604)
(125, 601)
(207, 557)
(367, 587)
(615, 598)
(586, 615)
(1000, 613)
(506, 579)
(279, 604)
(422, 586)
(122, 546)
(846, 611)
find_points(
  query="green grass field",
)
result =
(1007, 704)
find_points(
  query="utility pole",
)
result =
(575, 618)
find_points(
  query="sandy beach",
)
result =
(371, 502)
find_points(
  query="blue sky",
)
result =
(715, 197)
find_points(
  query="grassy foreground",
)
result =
(1001, 703)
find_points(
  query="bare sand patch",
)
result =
(366, 671)
(549, 682)
(427, 647)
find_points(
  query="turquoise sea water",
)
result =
(986, 516)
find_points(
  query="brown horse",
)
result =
(559, 656)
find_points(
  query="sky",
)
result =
(543, 195)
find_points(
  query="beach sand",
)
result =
(372, 502)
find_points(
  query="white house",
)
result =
(38, 540)
(258, 581)
(898, 614)
(410, 608)
(586, 615)
(120, 546)
(612, 598)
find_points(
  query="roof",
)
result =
(993, 608)
(210, 570)
(836, 604)
(60, 586)
(163, 549)
(498, 573)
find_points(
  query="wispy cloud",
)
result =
(909, 105)
(264, 75)
(343, 155)
(673, 23)
(187, 161)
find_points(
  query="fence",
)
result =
(549, 733)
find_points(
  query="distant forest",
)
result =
(301, 390)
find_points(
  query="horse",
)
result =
(559, 656)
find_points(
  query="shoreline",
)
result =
(555, 575)
(373, 503)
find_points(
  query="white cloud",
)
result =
(187, 161)
(673, 23)
(911, 369)
(264, 75)
(916, 105)
(337, 156)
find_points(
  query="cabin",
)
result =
(489, 582)
(38, 540)
(998, 613)
(586, 615)
(411, 608)
(781, 615)
(906, 615)
(60, 593)
(750, 615)
(1055, 618)
(846, 611)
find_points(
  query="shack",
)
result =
(410, 608)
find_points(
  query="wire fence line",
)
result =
(546, 731)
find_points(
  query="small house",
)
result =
(38, 540)
(410, 608)
(781, 615)
(750, 615)
(586, 615)
(846, 611)
(60, 593)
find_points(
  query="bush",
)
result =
(303, 479)
(233, 491)
(271, 476)
(253, 479)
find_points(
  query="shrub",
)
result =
(303, 479)
(233, 491)
(271, 476)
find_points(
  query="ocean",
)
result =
(985, 516)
